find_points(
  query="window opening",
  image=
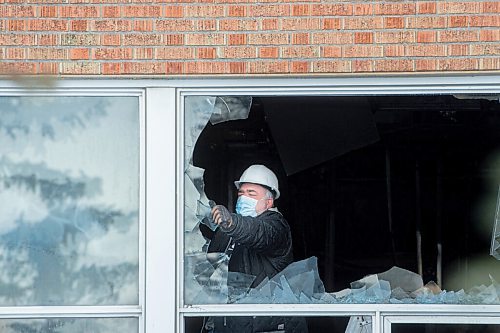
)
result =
(393, 196)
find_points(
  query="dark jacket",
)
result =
(262, 248)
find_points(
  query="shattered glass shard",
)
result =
(231, 108)
(402, 278)
(495, 237)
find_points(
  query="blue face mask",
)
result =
(246, 206)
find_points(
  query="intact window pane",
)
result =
(69, 194)
(70, 325)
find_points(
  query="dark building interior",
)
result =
(373, 182)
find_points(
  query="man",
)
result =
(262, 245)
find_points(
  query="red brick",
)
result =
(173, 39)
(174, 68)
(332, 38)
(17, 11)
(395, 9)
(47, 40)
(238, 25)
(237, 67)
(269, 24)
(238, 52)
(143, 25)
(204, 11)
(301, 10)
(17, 67)
(363, 9)
(299, 67)
(395, 37)
(426, 50)
(204, 67)
(489, 35)
(141, 11)
(47, 25)
(206, 25)
(485, 50)
(16, 39)
(47, 11)
(458, 21)
(177, 53)
(425, 65)
(394, 50)
(48, 68)
(365, 23)
(363, 37)
(174, 25)
(113, 53)
(79, 25)
(451, 36)
(206, 53)
(142, 39)
(331, 9)
(301, 38)
(268, 39)
(458, 64)
(268, 52)
(15, 53)
(290, 24)
(143, 68)
(78, 11)
(460, 7)
(426, 36)
(331, 66)
(47, 53)
(331, 51)
(144, 53)
(79, 39)
(490, 64)
(362, 51)
(110, 40)
(490, 7)
(362, 66)
(111, 68)
(111, 11)
(426, 8)
(426, 22)
(458, 49)
(238, 11)
(485, 21)
(331, 24)
(16, 25)
(112, 25)
(268, 10)
(395, 65)
(205, 39)
(173, 11)
(300, 52)
(79, 54)
(394, 22)
(267, 67)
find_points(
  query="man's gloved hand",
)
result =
(221, 216)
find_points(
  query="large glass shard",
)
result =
(231, 108)
(69, 193)
(209, 285)
(402, 278)
(495, 236)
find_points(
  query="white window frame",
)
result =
(161, 309)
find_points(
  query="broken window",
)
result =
(391, 199)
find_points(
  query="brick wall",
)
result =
(121, 37)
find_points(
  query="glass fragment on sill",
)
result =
(206, 278)
(495, 237)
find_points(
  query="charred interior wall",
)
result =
(433, 169)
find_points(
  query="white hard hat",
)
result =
(259, 174)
